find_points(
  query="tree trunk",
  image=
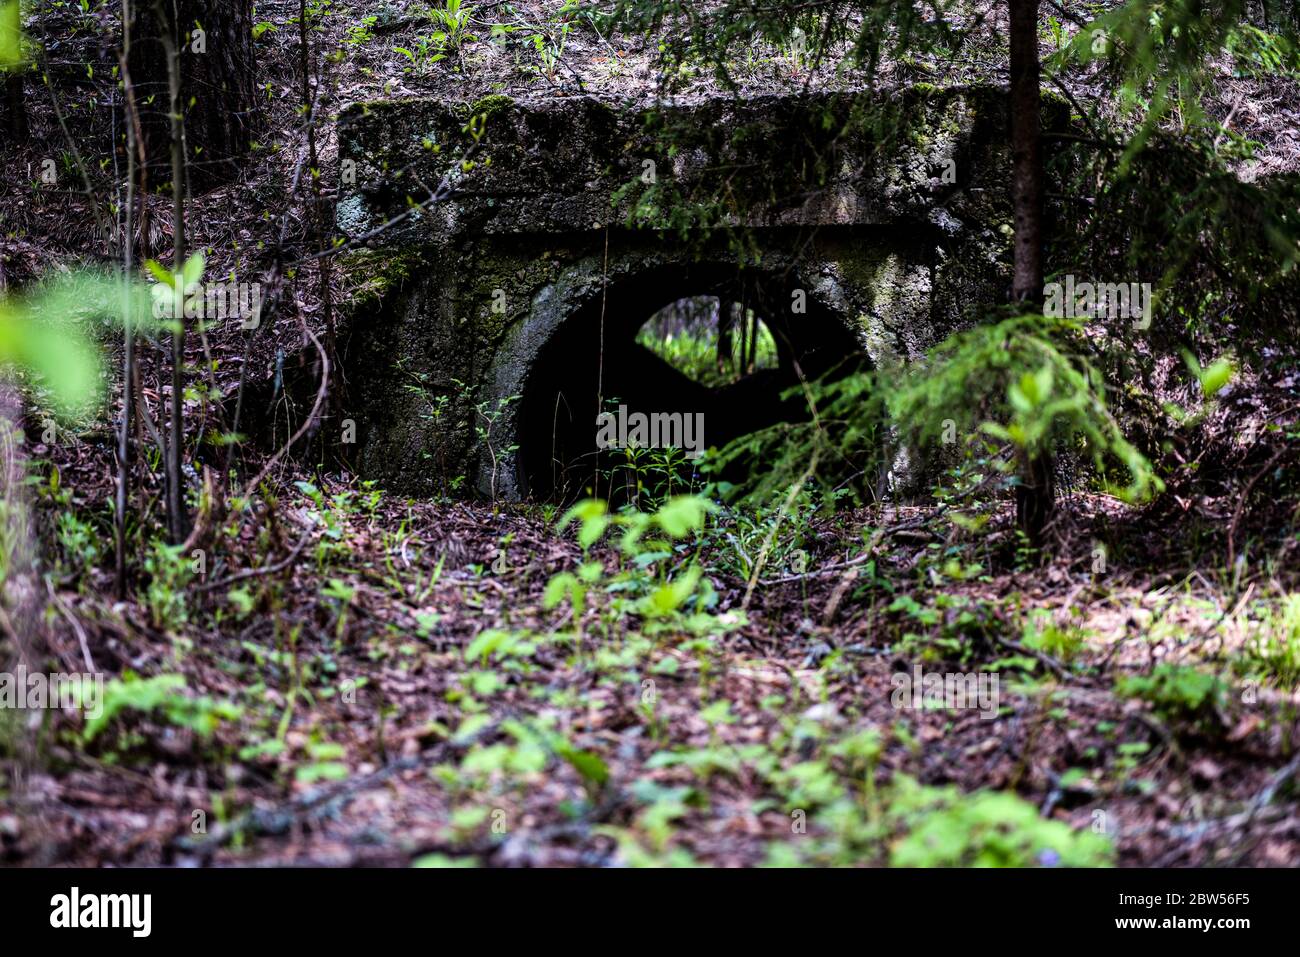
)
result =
(1036, 494)
(11, 74)
(1026, 154)
(123, 490)
(219, 88)
(15, 110)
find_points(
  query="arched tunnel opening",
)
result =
(676, 352)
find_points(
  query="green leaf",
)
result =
(241, 600)
(559, 586)
(718, 713)
(443, 861)
(324, 771)
(131, 693)
(192, 271)
(269, 748)
(591, 514)
(683, 514)
(1217, 375)
(66, 362)
(589, 765)
(42, 333)
(494, 641)
(11, 36)
(670, 596)
(160, 273)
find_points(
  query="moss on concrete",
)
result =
(376, 274)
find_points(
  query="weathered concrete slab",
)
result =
(553, 165)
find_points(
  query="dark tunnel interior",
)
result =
(594, 363)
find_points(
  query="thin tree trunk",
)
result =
(310, 98)
(1036, 494)
(15, 108)
(132, 120)
(178, 521)
(1026, 154)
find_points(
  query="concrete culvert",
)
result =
(502, 319)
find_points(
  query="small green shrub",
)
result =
(984, 829)
(169, 573)
(1273, 652)
(162, 692)
(1176, 691)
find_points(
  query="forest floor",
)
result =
(362, 686)
(385, 696)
